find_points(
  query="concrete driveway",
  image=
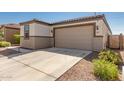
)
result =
(44, 64)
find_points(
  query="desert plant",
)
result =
(4, 44)
(105, 70)
(109, 55)
(17, 38)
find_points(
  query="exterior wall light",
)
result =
(51, 31)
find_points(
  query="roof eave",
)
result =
(71, 21)
(104, 19)
(34, 21)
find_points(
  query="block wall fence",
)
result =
(116, 41)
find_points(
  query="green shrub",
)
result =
(17, 38)
(4, 44)
(109, 55)
(105, 70)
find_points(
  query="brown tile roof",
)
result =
(81, 19)
(66, 21)
(88, 18)
(16, 26)
(35, 20)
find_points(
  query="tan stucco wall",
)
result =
(45, 30)
(42, 42)
(31, 32)
(98, 43)
(36, 42)
(37, 30)
(42, 30)
(106, 33)
(27, 43)
(95, 43)
(40, 35)
(98, 22)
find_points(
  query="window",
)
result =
(26, 31)
(97, 28)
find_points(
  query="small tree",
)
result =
(1, 35)
(17, 38)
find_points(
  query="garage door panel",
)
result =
(74, 37)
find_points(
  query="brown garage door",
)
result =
(79, 37)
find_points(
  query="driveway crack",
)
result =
(34, 68)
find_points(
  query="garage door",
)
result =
(79, 37)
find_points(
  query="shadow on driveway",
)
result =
(13, 52)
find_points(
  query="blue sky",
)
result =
(115, 19)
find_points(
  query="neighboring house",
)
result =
(9, 30)
(87, 33)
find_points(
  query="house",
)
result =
(87, 33)
(8, 31)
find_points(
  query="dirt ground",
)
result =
(83, 70)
